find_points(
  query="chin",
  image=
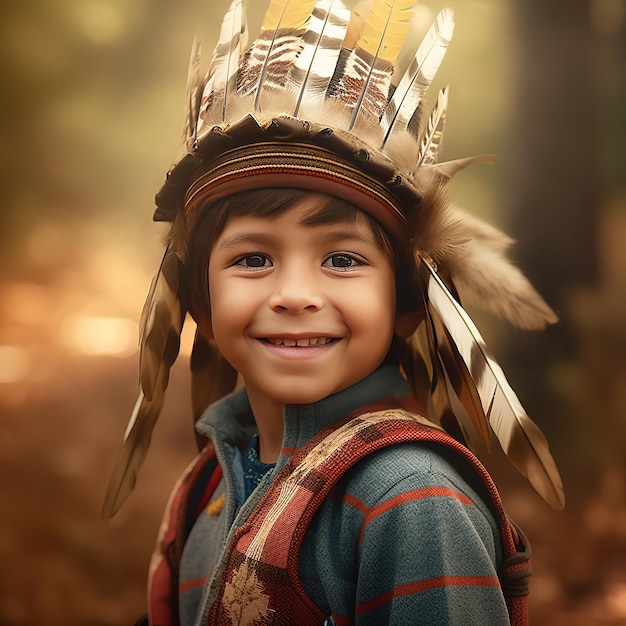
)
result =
(304, 395)
(302, 398)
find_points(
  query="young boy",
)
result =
(322, 274)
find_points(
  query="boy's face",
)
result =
(300, 311)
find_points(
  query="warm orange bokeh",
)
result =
(93, 100)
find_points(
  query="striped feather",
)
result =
(318, 59)
(162, 320)
(419, 75)
(426, 377)
(161, 325)
(521, 439)
(133, 453)
(432, 365)
(274, 53)
(222, 75)
(192, 97)
(433, 133)
(470, 418)
(439, 402)
(369, 67)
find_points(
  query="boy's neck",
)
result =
(268, 415)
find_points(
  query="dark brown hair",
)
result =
(270, 203)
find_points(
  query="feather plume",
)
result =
(319, 56)
(162, 320)
(161, 325)
(287, 14)
(433, 133)
(429, 358)
(471, 419)
(485, 277)
(358, 15)
(222, 75)
(385, 29)
(425, 375)
(271, 59)
(522, 441)
(446, 170)
(420, 73)
(192, 96)
(369, 66)
(424, 344)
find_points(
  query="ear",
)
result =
(406, 323)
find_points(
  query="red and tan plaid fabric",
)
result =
(261, 584)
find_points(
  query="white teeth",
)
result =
(301, 343)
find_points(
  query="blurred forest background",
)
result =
(91, 113)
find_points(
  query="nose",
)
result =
(295, 291)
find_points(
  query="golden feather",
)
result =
(287, 14)
(385, 29)
(273, 55)
(356, 23)
(370, 64)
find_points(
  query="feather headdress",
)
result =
(260, 118)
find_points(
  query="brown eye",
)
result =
(341, 261)
(253, 261)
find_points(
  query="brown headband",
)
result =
(299, 165)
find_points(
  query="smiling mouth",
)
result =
(300, 343)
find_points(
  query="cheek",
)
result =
(233, 307)
(223, 311)
(374, 309)
(219, 306)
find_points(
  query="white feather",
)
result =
(318, 59)
(520, 438)
(420, 73)
(222, 73)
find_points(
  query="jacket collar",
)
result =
(230, 419)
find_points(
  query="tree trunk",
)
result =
(555, 183)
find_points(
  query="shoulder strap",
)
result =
(515, 571)
(191, 490)
(262, 562)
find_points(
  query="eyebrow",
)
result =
(261, 239)
(245, 238)
(342, 235)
